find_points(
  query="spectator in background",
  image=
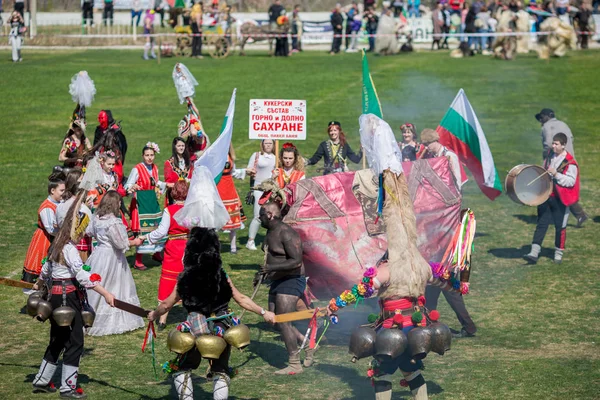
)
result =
(482, 25)
(463, 16)
(136, 12)
(349, 17)
(20, 7)
(196, 25)
(108, 12)
(148, 31)
(88, 12)
(446, 27)
(583, 18)
(456, 6)
(470, 25)
(296, 29)
(371, 26)
(356, 24)
(413, 8)
(398, 6)
(337, 22)
(370, 4)
(437, 17)
(275, 11)
(159, 8)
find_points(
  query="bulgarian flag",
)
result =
(461, 132)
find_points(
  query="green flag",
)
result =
(370, 101)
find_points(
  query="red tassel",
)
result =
(398, 320)
(148, 330)
(313, 332)
(434, 315)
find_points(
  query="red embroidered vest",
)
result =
(174, 227)
(567, 195)
(145, 180)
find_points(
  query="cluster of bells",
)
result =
(391, 343)
(210, 346)
(41, 309)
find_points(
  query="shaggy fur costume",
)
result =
(203, 285)
(409, 272)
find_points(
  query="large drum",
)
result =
(520, 188)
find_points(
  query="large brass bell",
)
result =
(88, 315)
(210, 346)
(419, 342)
(32, 303)
(441, 338)
(362, 343)
(390, 343)
(63, 315)
(180, 342)
(44, 310)
(238, 336)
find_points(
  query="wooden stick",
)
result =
(299, 315)
(14, 283)
(537, 178)
(276, 153)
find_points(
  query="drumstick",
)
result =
(537, 178)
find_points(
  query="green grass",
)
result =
(538, 325)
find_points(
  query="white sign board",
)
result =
(277, 119)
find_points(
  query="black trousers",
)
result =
(88, 11)
(20, 8)
(107, 13)
(161, 11)
(337, 41)
(552, 211)
(66, 338)
(196, 41)
(456, 302)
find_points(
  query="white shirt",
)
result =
(72, 269)
(567, 179)
(134, 176)
(63, 208)
(48, 218)
(264, 167)
(163, 228)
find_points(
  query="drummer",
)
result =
(563, 169)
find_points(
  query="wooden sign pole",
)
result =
(276, 153)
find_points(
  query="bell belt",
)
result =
(57, 286)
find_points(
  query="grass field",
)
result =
(538, 325)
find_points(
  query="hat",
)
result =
(334, 123)
(429, 136)
(545, 112)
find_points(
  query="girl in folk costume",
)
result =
(411, 150)
(76, 144)
(335, 151)
(108, 260)
(109, 178)
(72, 180)
(260, 168)
(66, 278)
(109, 143)
(292, 166)
(230, 198)
(177, 236)
(178, 167)
(143, 183)
(46, 229)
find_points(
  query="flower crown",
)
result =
(109, 154)
(154, 147)
(288, 145)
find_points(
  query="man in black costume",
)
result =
(284, 268)
(106, 121)
(205, 291)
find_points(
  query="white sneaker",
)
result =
(250, 245)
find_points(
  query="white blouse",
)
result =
(134, 176)
(264, 167)
(48, 218)
(163, 228)
(72, 269)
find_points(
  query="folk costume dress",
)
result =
(40, 242)
(108, 260)
(177, 237)
(175, 171)
(229, 195)
(286, 177)
(335, 157)
(67, 277)
(144, 208)
(75, 150)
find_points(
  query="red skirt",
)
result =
(232, 202)
(171, 267)
(38, 249)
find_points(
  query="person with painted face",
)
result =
(335, 151)
(284, 269)
(106, 122)
(292, 166)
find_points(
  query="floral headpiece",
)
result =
(153, 146)
(108, 154)
(289, 146)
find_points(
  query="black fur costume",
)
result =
(203, 285)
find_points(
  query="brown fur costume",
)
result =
(409, 272)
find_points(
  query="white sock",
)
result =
(45, 374)
(233, 238)
(220, 387)
(183, 386)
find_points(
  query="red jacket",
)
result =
(567, 195)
